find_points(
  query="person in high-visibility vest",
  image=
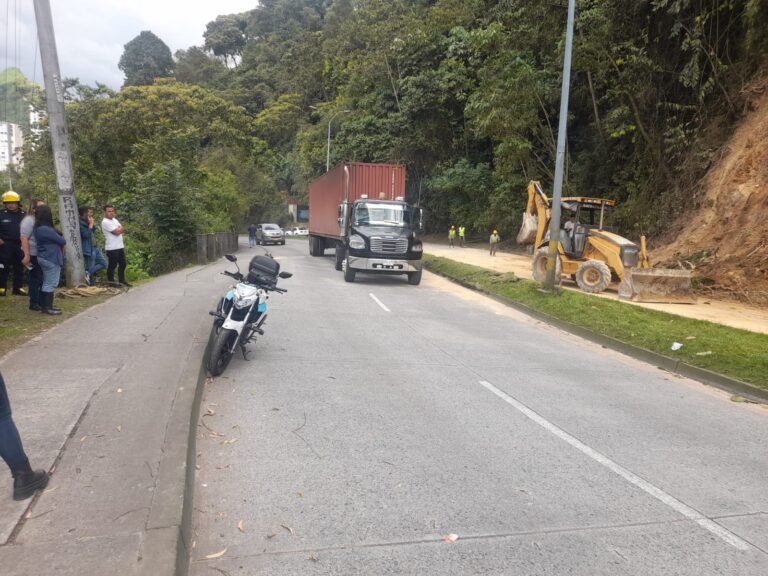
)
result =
(461, 236)
(495, 238)
(451, 236)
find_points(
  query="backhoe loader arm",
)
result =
(540, 206)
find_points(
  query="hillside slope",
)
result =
(725, 236)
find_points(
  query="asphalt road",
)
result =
(375, 419)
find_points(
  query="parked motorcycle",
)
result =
(241, 313)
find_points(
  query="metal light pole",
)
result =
(554, 225)
(62, 160)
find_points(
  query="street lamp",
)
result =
(328, 147)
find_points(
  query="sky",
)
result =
(91, 34)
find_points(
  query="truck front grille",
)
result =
(389, 245)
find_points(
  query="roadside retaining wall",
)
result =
(211, 247)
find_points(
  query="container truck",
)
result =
(360, 211)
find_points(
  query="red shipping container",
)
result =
(377, 181)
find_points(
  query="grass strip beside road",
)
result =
(739, 354)
(18, 324)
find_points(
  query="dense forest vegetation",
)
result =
(466, 93)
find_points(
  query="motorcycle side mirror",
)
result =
(230, 257)
(285, 274)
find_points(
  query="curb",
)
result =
(184, 547)
(731, 385)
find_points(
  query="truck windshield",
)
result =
(380, 214)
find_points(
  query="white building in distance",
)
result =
(12, 139)
(11, 144)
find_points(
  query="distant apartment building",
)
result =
(12, 140)
(11, 144)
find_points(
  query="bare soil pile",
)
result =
(724, 239)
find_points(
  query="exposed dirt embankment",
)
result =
(725, 237)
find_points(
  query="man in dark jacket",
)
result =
(94, 261)
(10, 243)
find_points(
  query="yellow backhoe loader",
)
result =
(593, 255)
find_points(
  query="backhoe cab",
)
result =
(591, 253)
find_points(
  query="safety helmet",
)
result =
(453, 226)
(495, 232)
(11, 196)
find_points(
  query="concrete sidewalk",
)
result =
(105, 399)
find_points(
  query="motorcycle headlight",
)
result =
(356, 242)
(243, 303)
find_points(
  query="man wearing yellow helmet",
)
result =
(495, 238)
(10, 243)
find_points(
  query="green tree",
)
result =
(225, 37)
(194, 66)
(17, 95)
(145, 58)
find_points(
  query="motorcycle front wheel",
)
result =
(221, 351)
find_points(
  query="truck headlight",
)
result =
(356, 242)
(417, 247)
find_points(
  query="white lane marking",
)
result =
(658, 493)
(379, 302)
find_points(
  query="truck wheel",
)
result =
(539, 265)
(593, 276)
(339, 257)
(349, 272)
(313, 246)
(414, 278)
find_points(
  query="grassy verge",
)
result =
(735, 353)
(18, 324)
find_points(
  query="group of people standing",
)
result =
(31, 242)
(452, 236)
(114, 245)
(452, 232)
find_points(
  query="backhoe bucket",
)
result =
(657, 285)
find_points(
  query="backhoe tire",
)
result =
(539, 265)
(593, 276)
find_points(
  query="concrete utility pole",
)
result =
(554, 225)
(328, 148)
(65, 184)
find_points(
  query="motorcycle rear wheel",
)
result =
(221, 351)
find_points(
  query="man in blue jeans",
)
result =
(25, 480)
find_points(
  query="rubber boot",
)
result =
(26, 481)
(46, 300)
(53, 308)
